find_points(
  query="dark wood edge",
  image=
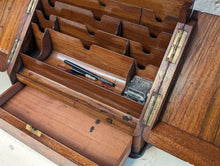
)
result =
(183, 145)
(162, 84)
(10, 92)
(21, 36)
(171, 72)
(48, 147)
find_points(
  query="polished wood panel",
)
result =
(80, 31)
(149, 51)
(114, 67)
(66, 152)
(10, 26)
(162, 8)
(50, 154)
(75, 99)
(149, 13)
(197, 90)
(156, 27)
(112, 8)
(83, 16)
(103, 95)
(143, 35)
(145, 54)
(184, 145)
(9, 93)
(64, 123)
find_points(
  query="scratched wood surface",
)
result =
(22, 135)
(197, 90)
(35, 145)
(111, 146)
(10, 26)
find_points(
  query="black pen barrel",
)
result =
(88, 72)
(80, 68)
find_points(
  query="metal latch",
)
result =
(30, 6)
(13, 51)
(151, 110)
(177, 46)
(33, 130)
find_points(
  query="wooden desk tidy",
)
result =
(91, 122)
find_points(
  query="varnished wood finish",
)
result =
(128, 30)
(101, 94)
(80, 31)
(63, 123)
(156, 27)
(83, 16)
(9, 93)
(170, 7)
(44, 139)
(10, 26)
(183, 145)
(149, 52)
(162, 20)
(149, 73)
(97, 60)
(143, 35)
(73, 98)
(197, 90)
(112, 8)
(35, 145)
(94, 119)
(165, 76)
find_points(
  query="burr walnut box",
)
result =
(94, 81)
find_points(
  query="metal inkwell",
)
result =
(138, 89)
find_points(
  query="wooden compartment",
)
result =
(90, 122)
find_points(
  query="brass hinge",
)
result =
(30, 6)
(151, 109)
(14, 50)
(177, 45)
(33, 130)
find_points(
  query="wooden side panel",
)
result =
(184, 146)
(12, 19)
(194, 105)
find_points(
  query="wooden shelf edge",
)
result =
(183, 145)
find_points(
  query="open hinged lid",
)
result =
(14, 21)
(184, 119)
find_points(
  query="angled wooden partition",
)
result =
(97, 60)
(147, 13)
(142, 34)
(162, 8)
(136, 50)
(80, 31)
(156, 26)
(84, 16)
(112, 8)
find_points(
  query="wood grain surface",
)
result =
(10, 26)
(184, 145)
(64, 123)
(23, 135)
(197, 91)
